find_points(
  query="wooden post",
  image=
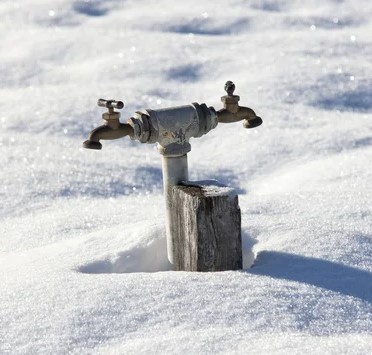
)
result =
(205, 227)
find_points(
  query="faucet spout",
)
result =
(107, 132)
(228, 116)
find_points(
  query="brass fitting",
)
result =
(111, 129)
(232, 112)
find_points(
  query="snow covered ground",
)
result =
(83, 267)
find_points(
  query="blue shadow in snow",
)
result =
(269, 5)
(206, 27)
(338, 92)
(363, 142)
(184, 73)
(359, 99)
(331, 276)
(90, 8)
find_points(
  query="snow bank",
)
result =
(83, 265)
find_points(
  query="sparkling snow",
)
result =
(83, 266)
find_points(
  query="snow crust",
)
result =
(213, 188)
(83, 267)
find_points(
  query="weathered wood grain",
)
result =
(206, 228)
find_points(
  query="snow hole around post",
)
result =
(147, 257)
(150, 257)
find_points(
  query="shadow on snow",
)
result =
(207, 27)
(328, 275)
(90, 8)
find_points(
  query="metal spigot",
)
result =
(232, 112)
(112, 128)
(171, 128)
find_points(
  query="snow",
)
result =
(213, 188)
(83, 265)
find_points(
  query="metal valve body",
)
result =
(172, 127)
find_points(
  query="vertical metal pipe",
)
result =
(175, 170)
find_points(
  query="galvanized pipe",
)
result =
(175, 171)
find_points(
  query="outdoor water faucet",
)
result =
(171, 128)
(232, 112)
(111, 129)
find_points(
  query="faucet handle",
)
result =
(111, 116)
(229, 87)
(110, 104)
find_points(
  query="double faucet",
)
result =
(139, 126)
(171, 128)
